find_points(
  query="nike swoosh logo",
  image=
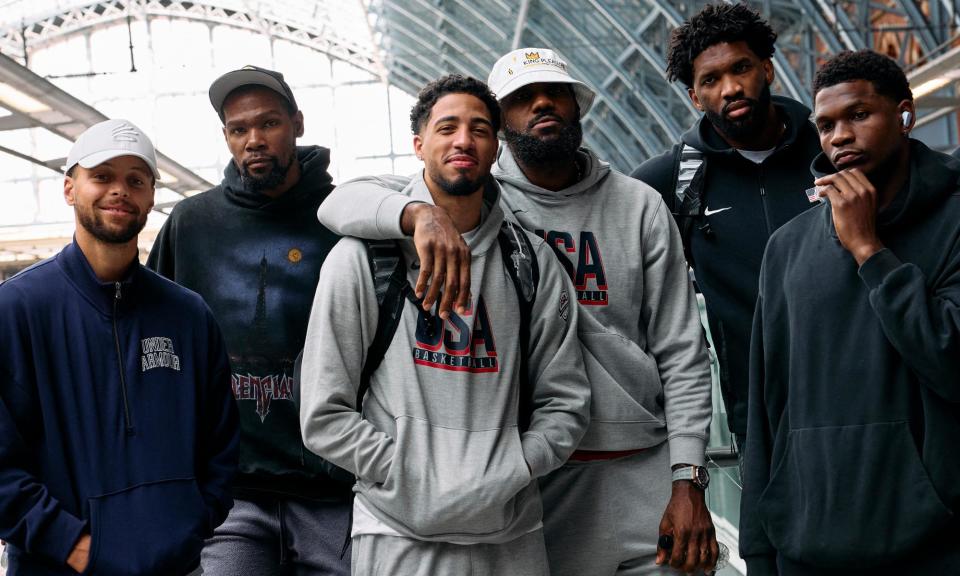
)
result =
(709, 212)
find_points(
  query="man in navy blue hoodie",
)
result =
(851, 464)
(118, 432)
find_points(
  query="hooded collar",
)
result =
(507, 170)
(481, 238)
(704, 137)
(101, 295)
(933, 177)
(307, 194)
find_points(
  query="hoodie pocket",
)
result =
(154, 528)
(450, 481)
(850, 496)
(624, 379)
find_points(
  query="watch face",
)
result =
(703, 478)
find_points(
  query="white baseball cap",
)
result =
(110, 139)
(530, 66)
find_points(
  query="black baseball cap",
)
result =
(246, 76)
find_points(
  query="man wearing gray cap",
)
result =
(252, 248)
(118, 433)
(642, 342)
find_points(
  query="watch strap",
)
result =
(685, 473)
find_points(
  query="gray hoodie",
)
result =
(643, 344)
(437, 451)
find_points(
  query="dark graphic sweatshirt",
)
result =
(256, 260)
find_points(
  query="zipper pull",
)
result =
(116, 295)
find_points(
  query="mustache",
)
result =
(752, 102)
(123, 205)
(542, 116)
(259, 158)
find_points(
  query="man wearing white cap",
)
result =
(640, 330)
(118, 433)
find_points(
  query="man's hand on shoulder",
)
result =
(444, 257)
(853, 200)
(694, 538)
(80, 555)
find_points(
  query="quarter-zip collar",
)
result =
(100, 295)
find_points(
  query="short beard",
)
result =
(92, 222)
(462, 186)
(269, 181)
(539, 151)
(748, 127)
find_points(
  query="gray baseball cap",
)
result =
(246, 76)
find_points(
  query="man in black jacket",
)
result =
(252, 247)
(756, 152)
(854, 412)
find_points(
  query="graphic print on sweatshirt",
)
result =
(462, 343)
(262, 389)
(258, 376)
(587, 272)
(158, 352)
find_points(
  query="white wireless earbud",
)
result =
(905, 118)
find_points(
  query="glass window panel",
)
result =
(51, 207)
(19, 201)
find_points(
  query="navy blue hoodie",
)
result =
(851, 460)
(116, 419)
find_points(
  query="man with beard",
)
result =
(851, 460)
(252, 249)
(445, 453)
(756, 152)
(642, 342)
(118, 433)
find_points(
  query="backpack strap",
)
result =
(524, 271)
(688, 204)
(392, 288)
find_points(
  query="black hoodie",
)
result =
(851, 460)
(745, 203)
(256, 261)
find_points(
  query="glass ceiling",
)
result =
(151, 61)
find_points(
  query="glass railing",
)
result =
(723, 495)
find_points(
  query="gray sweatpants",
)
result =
(280, 536)
(602, 517)
(376, 555)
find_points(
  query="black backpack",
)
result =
(687, 204)
(392, 288)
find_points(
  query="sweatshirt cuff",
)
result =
(687, 450)
(878, 267)
(59, 537)
(389, 213)
(537, 455)
(761, 565)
